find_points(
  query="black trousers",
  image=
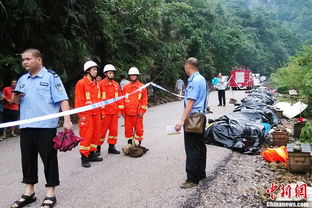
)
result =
(34, 141)
(196, 152)
(221, 96)
(10, 115)
(1, 121)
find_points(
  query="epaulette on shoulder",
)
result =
(53, 72)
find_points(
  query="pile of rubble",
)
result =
(248, 180)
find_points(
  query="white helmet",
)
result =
(133, 71)
(88, 65)
(109, 67)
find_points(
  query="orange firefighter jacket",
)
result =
(109, 90)
(137, 102)
(87, 92)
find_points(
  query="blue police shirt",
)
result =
(196, 90)
(43, 94)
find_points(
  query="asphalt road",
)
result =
(120, 181)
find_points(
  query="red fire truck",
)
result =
(241, 78)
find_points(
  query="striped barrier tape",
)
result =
(161, 88)
(80, 109)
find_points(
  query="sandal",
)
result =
(50, 205)
(27, 200)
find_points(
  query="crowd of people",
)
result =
(96, 125)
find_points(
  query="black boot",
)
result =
(112, 149)
(98, 151)
(129, 141)
(93, 158)
(85, 161)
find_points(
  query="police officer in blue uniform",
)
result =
(194, 101)
(40, 92)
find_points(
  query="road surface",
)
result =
(120, 181)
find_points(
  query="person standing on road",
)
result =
(10, 108)
(221, 90)
(87, 91)
(179, 86)
(40, 92)
(194, 102)
(135, 107)
(111, 112)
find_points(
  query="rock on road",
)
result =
(119, 181)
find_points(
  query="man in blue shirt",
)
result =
(194, 102)
(40, 92)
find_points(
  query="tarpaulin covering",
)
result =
(261, 96)
(243, 130)
(291, 110)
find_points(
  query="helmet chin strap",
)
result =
(109, 77)
(135, 79)
(92, 77)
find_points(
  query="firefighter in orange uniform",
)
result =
(111, 112)
(135, 107)
(87, 91)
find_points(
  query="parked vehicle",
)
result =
(241, 78)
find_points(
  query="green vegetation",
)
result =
(294, 14)
(306, 133)
(297, 74)
(154, 35)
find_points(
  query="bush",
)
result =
(306, 133)
(297, 74)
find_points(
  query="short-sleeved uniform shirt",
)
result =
(43, 94)
(196, 90)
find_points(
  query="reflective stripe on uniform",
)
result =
(139, 96)
(144, 106)
(128, 138)
(121, 106)
(88, 96)
(102, 140)
(84, 148)
(127, 95)
(116, 94)
(93, 145)
(112, 137)
(138, 137)
(99, 94)
(103, 95)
